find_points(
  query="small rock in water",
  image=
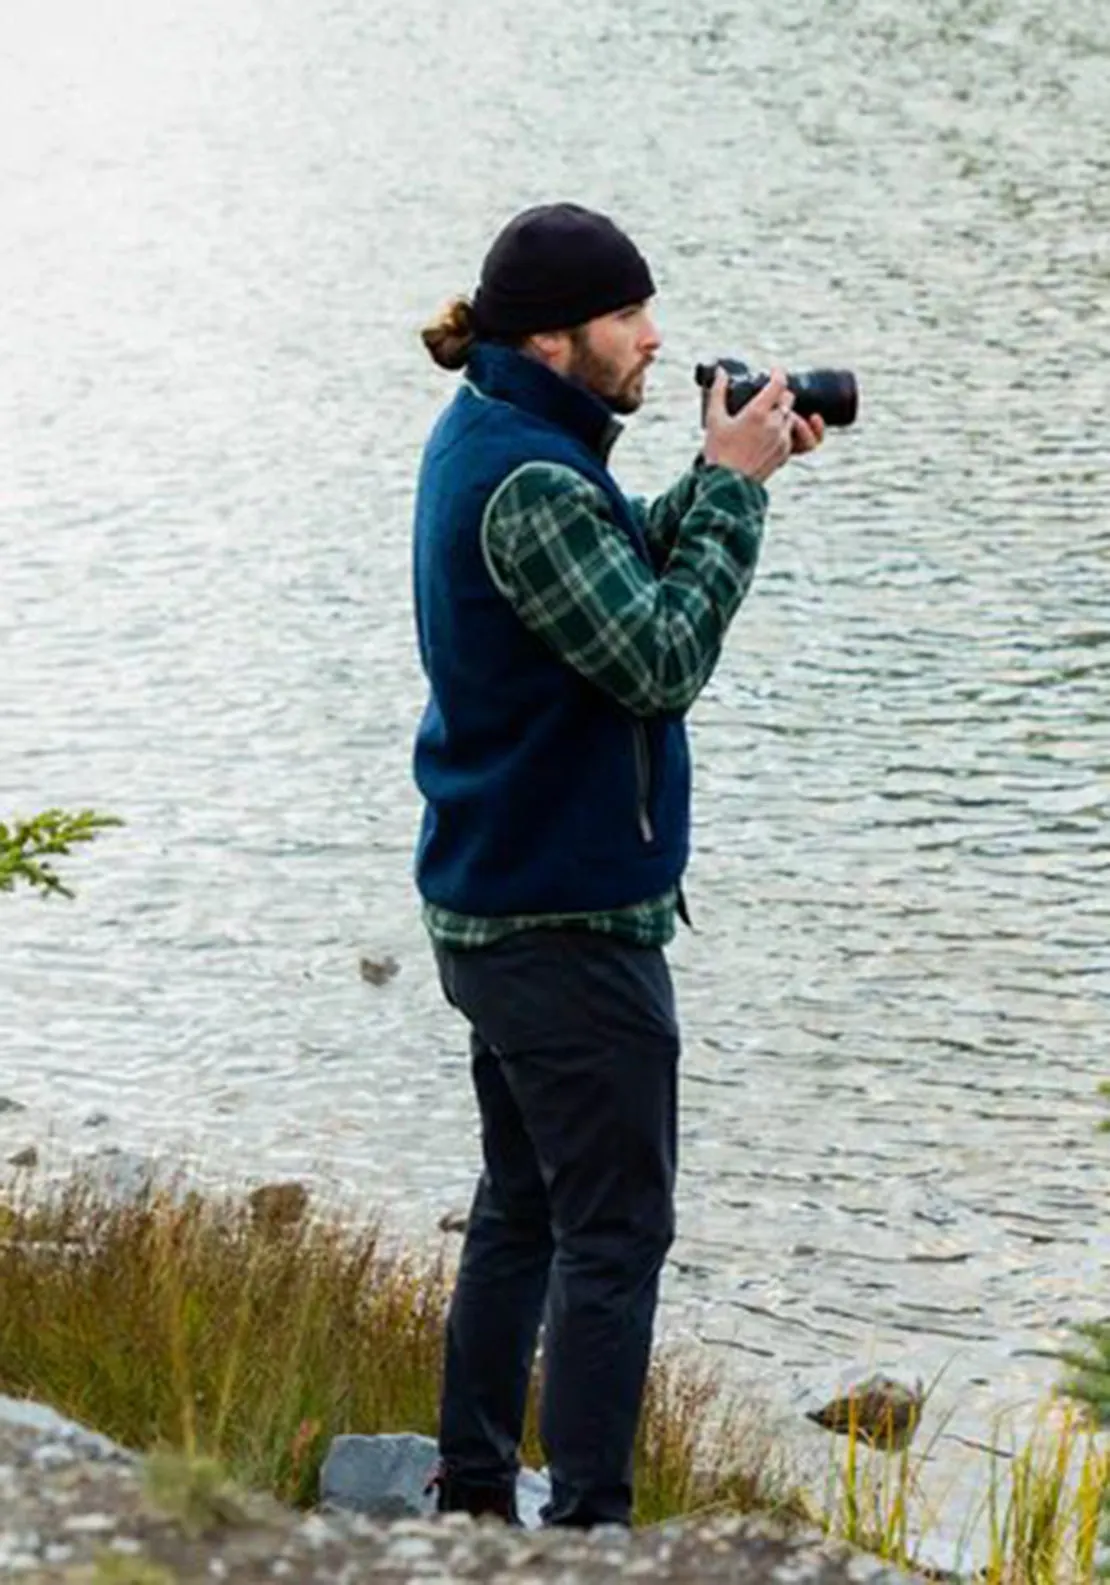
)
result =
(275, 1207)
(882, 1412)
(376, 971)
(453, 1222)
(8, 1105)
(28, 1157)
(96, 1120)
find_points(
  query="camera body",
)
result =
(831, 394)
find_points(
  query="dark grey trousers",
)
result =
(574, 1046)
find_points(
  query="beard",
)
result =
(621, 390)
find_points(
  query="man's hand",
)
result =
(758, 439)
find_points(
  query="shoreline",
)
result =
(265, 1228)
(74, 1515)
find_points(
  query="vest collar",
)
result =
(511, 376)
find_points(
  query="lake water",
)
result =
(222, 225)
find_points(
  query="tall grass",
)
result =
(1039, 1514)
(244, 1336)
(234, 1333)
(1044, 1519)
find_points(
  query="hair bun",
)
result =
(451, 334)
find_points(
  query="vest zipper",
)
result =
(643, 781)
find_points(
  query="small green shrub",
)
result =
(27, 847)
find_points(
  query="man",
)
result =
(565, 631)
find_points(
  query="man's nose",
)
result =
(651, 339)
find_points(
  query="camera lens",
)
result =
(832, 393)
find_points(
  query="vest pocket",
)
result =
(643, 781)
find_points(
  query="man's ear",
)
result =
(550, 346)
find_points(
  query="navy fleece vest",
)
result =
(542, 795)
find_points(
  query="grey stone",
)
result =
(8, 1105)
(55, 1455)
(37, 1416)
(316, 1531)
(377, 971)
(89, 1523)
(532, 1491)
(385, 1477)
(411, 1549)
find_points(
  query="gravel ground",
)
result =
(74, 1515)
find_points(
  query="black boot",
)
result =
(460, 1496)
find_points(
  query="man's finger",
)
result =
(773, 394)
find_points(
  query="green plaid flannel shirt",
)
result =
(648, 636)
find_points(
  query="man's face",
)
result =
(610, 355)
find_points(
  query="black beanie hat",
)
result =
(556, 266)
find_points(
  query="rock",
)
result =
(49, 1423)
(453, 1222)
(29, 1157)
(52, 1526)
(376, 971)
(532, 1492)
(385, 1477)
(277, 1207)
(96, 1120)
(8, 1105)
(882, 1412)
(382, 1476)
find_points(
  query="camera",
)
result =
(830, 393)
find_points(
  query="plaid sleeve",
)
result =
(574, 578)
(659, 519)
